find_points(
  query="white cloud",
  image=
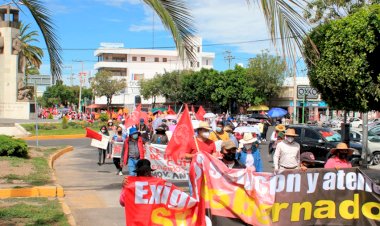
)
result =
(225, 21)
(147, 22)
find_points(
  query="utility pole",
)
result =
(71, 77)
(229, 58)
(82, 79)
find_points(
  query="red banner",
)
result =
(151, 201)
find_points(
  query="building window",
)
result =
(191, 64)
(134, 58)
(197, 64)
(142, 59)
(164, 59)
(156, 59)
(206, 62)
(199, 49)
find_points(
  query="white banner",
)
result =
(163, 167)
(103, 144)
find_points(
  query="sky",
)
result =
(82, 25)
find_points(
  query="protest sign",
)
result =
(315, 197)
(103, 144)
(152, 201)
(117, 148)
(165, 167)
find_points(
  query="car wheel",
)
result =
(376, 158)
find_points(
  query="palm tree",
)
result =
(283, 20)
(32, 54)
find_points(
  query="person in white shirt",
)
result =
(287, 153)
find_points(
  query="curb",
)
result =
(55, 191)
(55, 137)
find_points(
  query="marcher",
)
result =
(339, 159)
(229, 155)
(102, 152)
(133, 150)
(249, 154)
(111, 131)
(307, 161)
(231, 135)
(287, 153)
(160, 136)
(119, 137)
(219, 133)
(203, 141)
(272, 148)
(144, 130)
(143, 169)
(273, 138)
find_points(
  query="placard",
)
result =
(103, 144)
(117, 148)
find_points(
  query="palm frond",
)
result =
(176, 17)
(42, 17)
(285, 22)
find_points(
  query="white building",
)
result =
(137, 64)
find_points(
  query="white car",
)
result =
(373, 143)
(356, 123)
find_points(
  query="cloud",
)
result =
(58, 8)
(225, 21)
(147, 22)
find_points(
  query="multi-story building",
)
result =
(137, 64)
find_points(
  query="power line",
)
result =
(229, 58)
(169, 47)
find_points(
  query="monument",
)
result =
(15, 95)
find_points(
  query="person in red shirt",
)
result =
(204, 144)
(339, 159)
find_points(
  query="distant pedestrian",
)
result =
(144, 130)
(119, 137)
(287, 153)
(231, 135)
(160, 136)
(339, 158)
(133, 150)
(219, 133)
(103, 152)
(273, 138)
(307, 161)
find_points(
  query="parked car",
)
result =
(320, 140)
(373, 144)
(356, 122)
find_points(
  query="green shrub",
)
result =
(72, 124)
(13, 147)
(29, 127)
(48, 126)
(104, 117)
(64, 123)
(50, 116)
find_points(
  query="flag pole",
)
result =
(179, 111)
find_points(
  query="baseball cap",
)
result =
(307, 157)
(229, 144)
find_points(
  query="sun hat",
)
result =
(291, 133)
(280, 127)
(307, 157)
(204, 125)
(342, 146)
(228, 128)
(248, 138)
(133, 130)
(110, 120)
(228, 144)
(143, 165)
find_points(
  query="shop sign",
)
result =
(310, 92)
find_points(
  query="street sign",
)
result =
(310, 92)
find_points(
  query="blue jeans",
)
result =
(132, 166)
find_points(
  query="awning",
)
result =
(93, 106)
(258, 108)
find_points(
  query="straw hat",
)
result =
(229, 144)
(228, 128)
(248, 138)
(291, 133)
(204, 125)
(342, 146)
(280, 128)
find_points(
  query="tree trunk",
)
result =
(154, 101)
(109, 101)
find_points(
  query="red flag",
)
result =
(93, 134)
(144, 115)
(200, 113)
(170, 111)
(183, 137)
(134, 119)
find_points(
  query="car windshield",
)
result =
(329, 134)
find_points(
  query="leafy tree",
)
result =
(171, 85)
(346, 71)
(320, 11)
(194, 87)
(58, 94)
(104, 84)
(151, 88)
(31, 54)
(231, 86)
(269, 73)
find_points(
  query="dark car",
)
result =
(320, 140)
